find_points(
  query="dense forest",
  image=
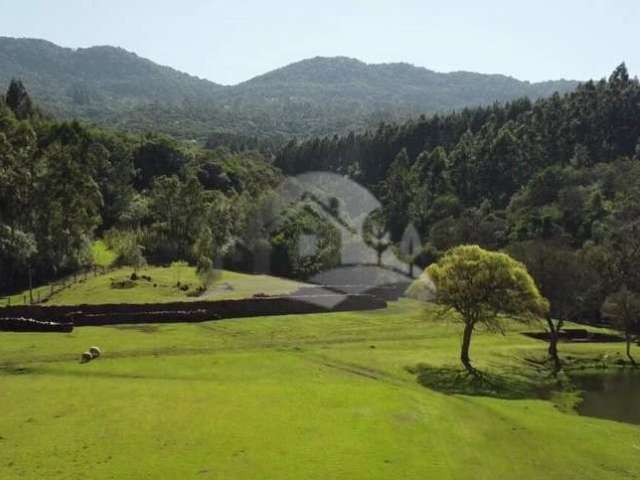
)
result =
(319, 96)
(555, 181)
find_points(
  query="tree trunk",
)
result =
(629, 339)
(466, 344)
(554, 334)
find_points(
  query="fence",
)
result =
(42, 294)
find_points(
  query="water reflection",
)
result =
(614, 396)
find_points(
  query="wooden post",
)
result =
(30, 286)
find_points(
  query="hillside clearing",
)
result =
(161, 284)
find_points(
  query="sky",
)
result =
(233, 40)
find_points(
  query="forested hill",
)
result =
(350, 83)
(438, 172)
(92, 82)
(319, 96)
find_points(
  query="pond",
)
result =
(614, 396)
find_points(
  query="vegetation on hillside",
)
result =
(151, 197)
(317, 96)
(563, 172)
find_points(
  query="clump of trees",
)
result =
(481, 286)
(153, 198)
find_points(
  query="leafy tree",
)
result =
(204, 252)
(303, 243)
(126, 245)
(564, 279)
(375, 233)
(623, 308)
(480, 286)
(398, 194)
(178, 210)
(157, 156)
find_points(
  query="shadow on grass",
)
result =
(523, 382)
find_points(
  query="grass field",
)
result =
(327, 396)
(162, 287)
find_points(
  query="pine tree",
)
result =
(18, 100)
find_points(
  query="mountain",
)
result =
(92, 82)
(318, 96)
(336, 80)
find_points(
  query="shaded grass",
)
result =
(507, 383)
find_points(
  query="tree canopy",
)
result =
(481, 286)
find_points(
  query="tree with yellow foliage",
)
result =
(481, 286)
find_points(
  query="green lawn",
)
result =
(162, 287)
(294, 397)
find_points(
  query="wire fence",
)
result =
(42, 294)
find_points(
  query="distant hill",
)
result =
(318, 96)
(92, 82)
(337, 80)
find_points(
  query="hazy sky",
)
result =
(232, 40)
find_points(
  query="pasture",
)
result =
(339, 396)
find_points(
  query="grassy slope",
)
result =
(287, 397)
(230, 285)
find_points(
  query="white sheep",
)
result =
(95, 352)
(85, 357)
